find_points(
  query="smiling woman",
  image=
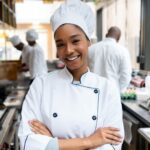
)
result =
(72, 49)
(72, 108)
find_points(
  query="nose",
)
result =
(69, 49)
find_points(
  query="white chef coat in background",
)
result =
(69, 109)
(37, 62)
(111, 60)
(25, 55)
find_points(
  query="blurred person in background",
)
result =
(109, 59)
(25, 49)
(37, 62)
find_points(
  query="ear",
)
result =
(89, 43)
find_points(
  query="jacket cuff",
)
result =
(53, 144)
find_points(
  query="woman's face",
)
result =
(72, 47)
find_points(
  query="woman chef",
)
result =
(79, 109)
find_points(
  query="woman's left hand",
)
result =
(39, 128)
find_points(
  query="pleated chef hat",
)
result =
(74, 12)
(31, 35)
(15, 40)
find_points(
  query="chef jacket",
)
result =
(25, 55)
(37, 63)
(111, 60)
(69, 109)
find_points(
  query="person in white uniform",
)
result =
(111, 60)
(72, 108)
(37, 62)
(25, 49)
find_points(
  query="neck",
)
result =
(113, 37)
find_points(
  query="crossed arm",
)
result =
(101, 136)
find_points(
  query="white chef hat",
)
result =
(74, 12)
(31, 35)
(15, 40)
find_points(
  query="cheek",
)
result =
(60, 54)
(84, 50)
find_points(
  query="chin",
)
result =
(73, 68)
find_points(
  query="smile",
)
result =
(72, 58)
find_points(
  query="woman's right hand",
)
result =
(107, 135)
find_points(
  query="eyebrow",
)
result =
(77, 35)
(73, 36)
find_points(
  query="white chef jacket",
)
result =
(25, 55)
(37, 63)
(111, 60)
(69, 109)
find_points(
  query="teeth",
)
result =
(72, 58)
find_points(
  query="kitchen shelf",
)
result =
(7, 12)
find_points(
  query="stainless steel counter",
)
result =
(138, 117)
(137, 111)
(7, 125)
(11, 115)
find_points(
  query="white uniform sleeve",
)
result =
(52, 145)
(113, 116)
(31, 110)
(25, 55)
(125, 70)
(39, 62)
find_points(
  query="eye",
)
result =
(75, 41)
(60, 45)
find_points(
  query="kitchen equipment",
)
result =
(5, 89)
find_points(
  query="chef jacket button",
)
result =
(94, 117)
(55, 115)
(95, 91)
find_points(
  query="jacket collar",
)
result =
(110, 39)
(69, 76)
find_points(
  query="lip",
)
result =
(72, 58)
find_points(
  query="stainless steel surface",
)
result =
(10, 121)
(133, 108)
(7, 124)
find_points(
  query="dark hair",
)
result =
(114, 32)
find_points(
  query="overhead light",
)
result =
(47, 1)
(19, 0)
(50, 1)
(3, 34)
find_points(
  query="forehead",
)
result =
(68, 30)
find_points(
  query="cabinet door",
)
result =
(1, 11)
(7, 12)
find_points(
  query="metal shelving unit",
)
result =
(7, 12)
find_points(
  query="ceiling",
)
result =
(45, 1)
(50, 1)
